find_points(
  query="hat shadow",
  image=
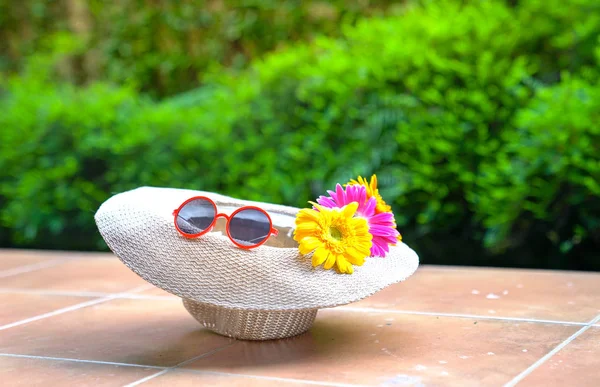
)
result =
(326, 339)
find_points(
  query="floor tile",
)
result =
(146, 332)
(154, 291)
(41, 372)
(24, 254)
(564, 296)
(86, 274)
(392, 349)
(16, 307)
(182, 378)
(574, 365)
(10, 260)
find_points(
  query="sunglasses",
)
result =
(247, 227)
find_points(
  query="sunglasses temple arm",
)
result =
(274, 231)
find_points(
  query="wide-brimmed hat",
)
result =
(268, 292)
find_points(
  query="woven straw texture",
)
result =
(251, 324)
(138, 226)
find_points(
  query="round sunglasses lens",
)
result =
(196, 216)
(249, 227)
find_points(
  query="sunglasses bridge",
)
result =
(227, 217)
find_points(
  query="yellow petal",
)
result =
(374, 182)
(329, 262)
(323, 211)
(360, 262)
(308, 244)
(359, 224)
(365, 242)
(355, 257)
(307, 215)
(298, 236)
(343, 266)
(351, 251)
(301, 235)
(364, 250)
(319, 256)
(306, 224)
(309, 227)
(350, 209)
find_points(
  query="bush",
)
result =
(165, 47)
(562, 35)
(436, 101)
(543, 187)
(425, 109)
(68, 149)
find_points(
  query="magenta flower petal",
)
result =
(382, 218)
(326, 202)
(384, 231)
(340, 192)
(370, 206)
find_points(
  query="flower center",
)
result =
(335, 233)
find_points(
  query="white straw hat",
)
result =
(268, 292)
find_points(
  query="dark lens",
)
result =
(249, 227)
(196, 216)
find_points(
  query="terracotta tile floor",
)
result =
(74, 319)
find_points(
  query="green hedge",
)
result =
(543, 187)
(480, 119)
(65, 149)
(165, 47)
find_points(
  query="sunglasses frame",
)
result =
(273, 231)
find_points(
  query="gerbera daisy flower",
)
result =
(382, 226)
(372, 192)
(335, 235)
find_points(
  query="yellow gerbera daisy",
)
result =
(372, 191)
(334, 235)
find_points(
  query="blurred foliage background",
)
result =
(481, 118)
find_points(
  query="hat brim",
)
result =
(138, 226)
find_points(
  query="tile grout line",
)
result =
(68, 293)
(56, 312)
(556, 349)
(164, 371)
(288, 380)
(61, 254)
(69, 308)
(507, 270)
(129, 296)
(65, 293)
(65, 359)
(32, 267)
(228, 374)
(273, 378)
(458, 315)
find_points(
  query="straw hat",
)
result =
(264, 293)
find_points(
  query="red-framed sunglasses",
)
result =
(247, 227)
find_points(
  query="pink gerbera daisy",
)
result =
(381, 226)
